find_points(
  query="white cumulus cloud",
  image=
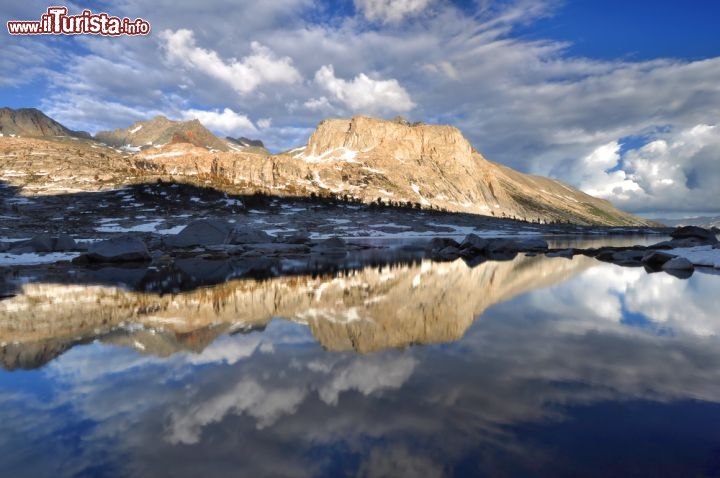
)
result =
(364, 94)
(390, 11)
(593, 176)
(226, 122)
(244, 76)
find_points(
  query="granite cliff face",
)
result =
(372, 160)
(435, 165)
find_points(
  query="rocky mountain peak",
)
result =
(399, 140)
(33, 122)
(160, 131)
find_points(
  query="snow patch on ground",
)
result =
(14, 239)
(342, 153)
(32, 258)
(168, 154)
(171, 230)
(114, 227)
(416, 188)
(699, 255)
(136, 129)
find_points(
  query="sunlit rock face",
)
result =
(364, 310)
(373, 160)
(360, 159)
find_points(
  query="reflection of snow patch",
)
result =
(342, 316)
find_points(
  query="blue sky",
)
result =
(619, 99)
(635, 30)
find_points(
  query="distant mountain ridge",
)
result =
(160, 131)
(247, 144)
(33, 122)
(703, 221)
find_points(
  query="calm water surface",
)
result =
(530, 367)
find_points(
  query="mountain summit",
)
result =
(160, 131)
(33, 122)
(435, 166)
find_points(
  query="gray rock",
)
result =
(118, 249)
(473, 243)
(590, 251)
(708, 237)
(297, 238)
(655, 258)
(533, 244)
(204, 271)
(502, 255)
(439, 243)
(475, 261)
(502, 245)
(63, 242)
(449, 253)
(566, 253)
(680, 273)
(276, 248)
(38, 243)
(240, 236)
(678, 263)
(673, 243)
(334, 246)
(605, 255)
(45, 243)
(628, 258)
(203, 232)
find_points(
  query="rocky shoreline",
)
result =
(261, 252)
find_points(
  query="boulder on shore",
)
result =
(117, 249)
(45, 243)
(203, 232)
(252, 236)
(655, 259)
(695, 232)
(333, 246)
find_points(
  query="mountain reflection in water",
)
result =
(535, 366)
(362, 310)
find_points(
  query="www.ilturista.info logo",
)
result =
(57, 22)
